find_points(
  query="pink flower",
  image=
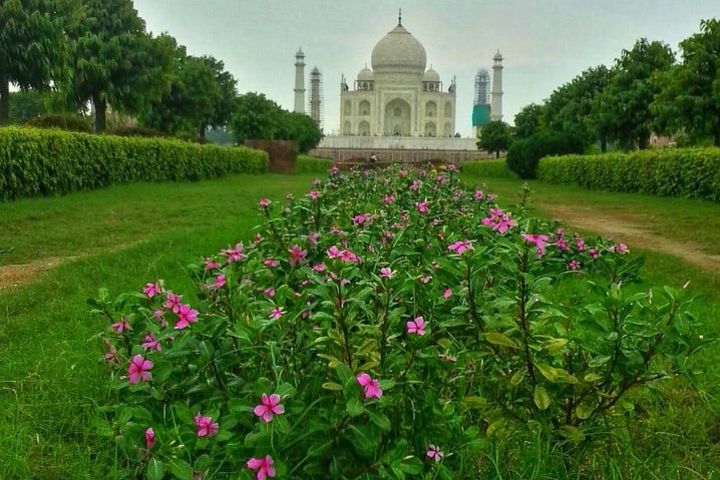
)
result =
(539, 241)
(415, 185)
(416, 326)
(218, 282)
(264, 202)
(563, 245)
(313, 237)
(151, 343)
(479, 195)
(386, 272)
(172, 302)
(460, 247)
(490, 197)
(263, 466)
(234, 254)
(139, 369)
(275, 313)
(389, 199)
(422, 207)
(186, 316)
(152, 289)
(111, 354)
(319, 267)
(426, 278)
(334, 252)
(360, 218)
(121, 326)
(206, 427)
(211, 264)
(270, 292)
(447, 293)
(499, 220)
(314, 195)
(580, 244)
(297, 255)
(158, 314)
(434, 453)
(451, 167)
(333, 170)
(269, 406)
(149, 438)
(271, 262)
(371, 387)
(622, 249)
(574, 265)
(594, 253)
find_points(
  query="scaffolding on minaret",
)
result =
(315, 103)
(482, 87)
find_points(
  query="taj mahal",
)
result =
(399, 102)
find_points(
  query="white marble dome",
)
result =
(365, 74)
(399, 51)
(431, 76)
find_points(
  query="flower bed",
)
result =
(388, 324)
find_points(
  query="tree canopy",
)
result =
(115, 61)
(496, 136)
(33, 47)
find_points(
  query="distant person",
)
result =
(373, 158)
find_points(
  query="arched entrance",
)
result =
(364, 128)
(397, 118)
(430, 129)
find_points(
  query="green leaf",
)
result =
(497, 338)
(541, 397)
(155, 470)
(181, 469)
(354, 407)
(380, 419)
(332, 386)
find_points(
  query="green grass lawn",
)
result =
(51, 370)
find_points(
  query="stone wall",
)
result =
(354, 156)
(281, 154)
(409, 143)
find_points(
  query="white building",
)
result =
(398, 97)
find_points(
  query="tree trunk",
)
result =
(717, 138)
(100, 113)
(202, 131)
(497, 153)
(603, 144)
(643, 141)
(4, 101)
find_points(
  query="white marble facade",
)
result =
(398, 97)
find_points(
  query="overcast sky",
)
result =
(545, 42)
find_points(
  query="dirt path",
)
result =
(22, 274)
(628, 229)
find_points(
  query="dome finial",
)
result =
(399, 16)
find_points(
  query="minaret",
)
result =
(497, 93)
(316, 100)
(300, 81)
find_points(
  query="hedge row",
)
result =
(686, 172)
(50, 162)
(488, 168)
(306, 164)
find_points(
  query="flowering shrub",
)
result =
(389, 324)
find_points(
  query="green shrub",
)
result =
(488, 168)
(48, 162)
(692, 172)
(306, 164)
(137, 132)
(524, 155)
(71, 123)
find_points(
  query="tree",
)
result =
(495, 137)
(632, 88)
(255, 117)
(569, 108)
(529, 120)
(524, 155)
(689, 97)
(26, 105)
(115, 62)
(189, 103)
(33, 48)
(225, 101)
(302, 129)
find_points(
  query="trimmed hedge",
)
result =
(488, 168)
(50, 162)
(306, 164)
(681, 172)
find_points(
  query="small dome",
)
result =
(365, 74)
(399, 51)
(431, 76)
